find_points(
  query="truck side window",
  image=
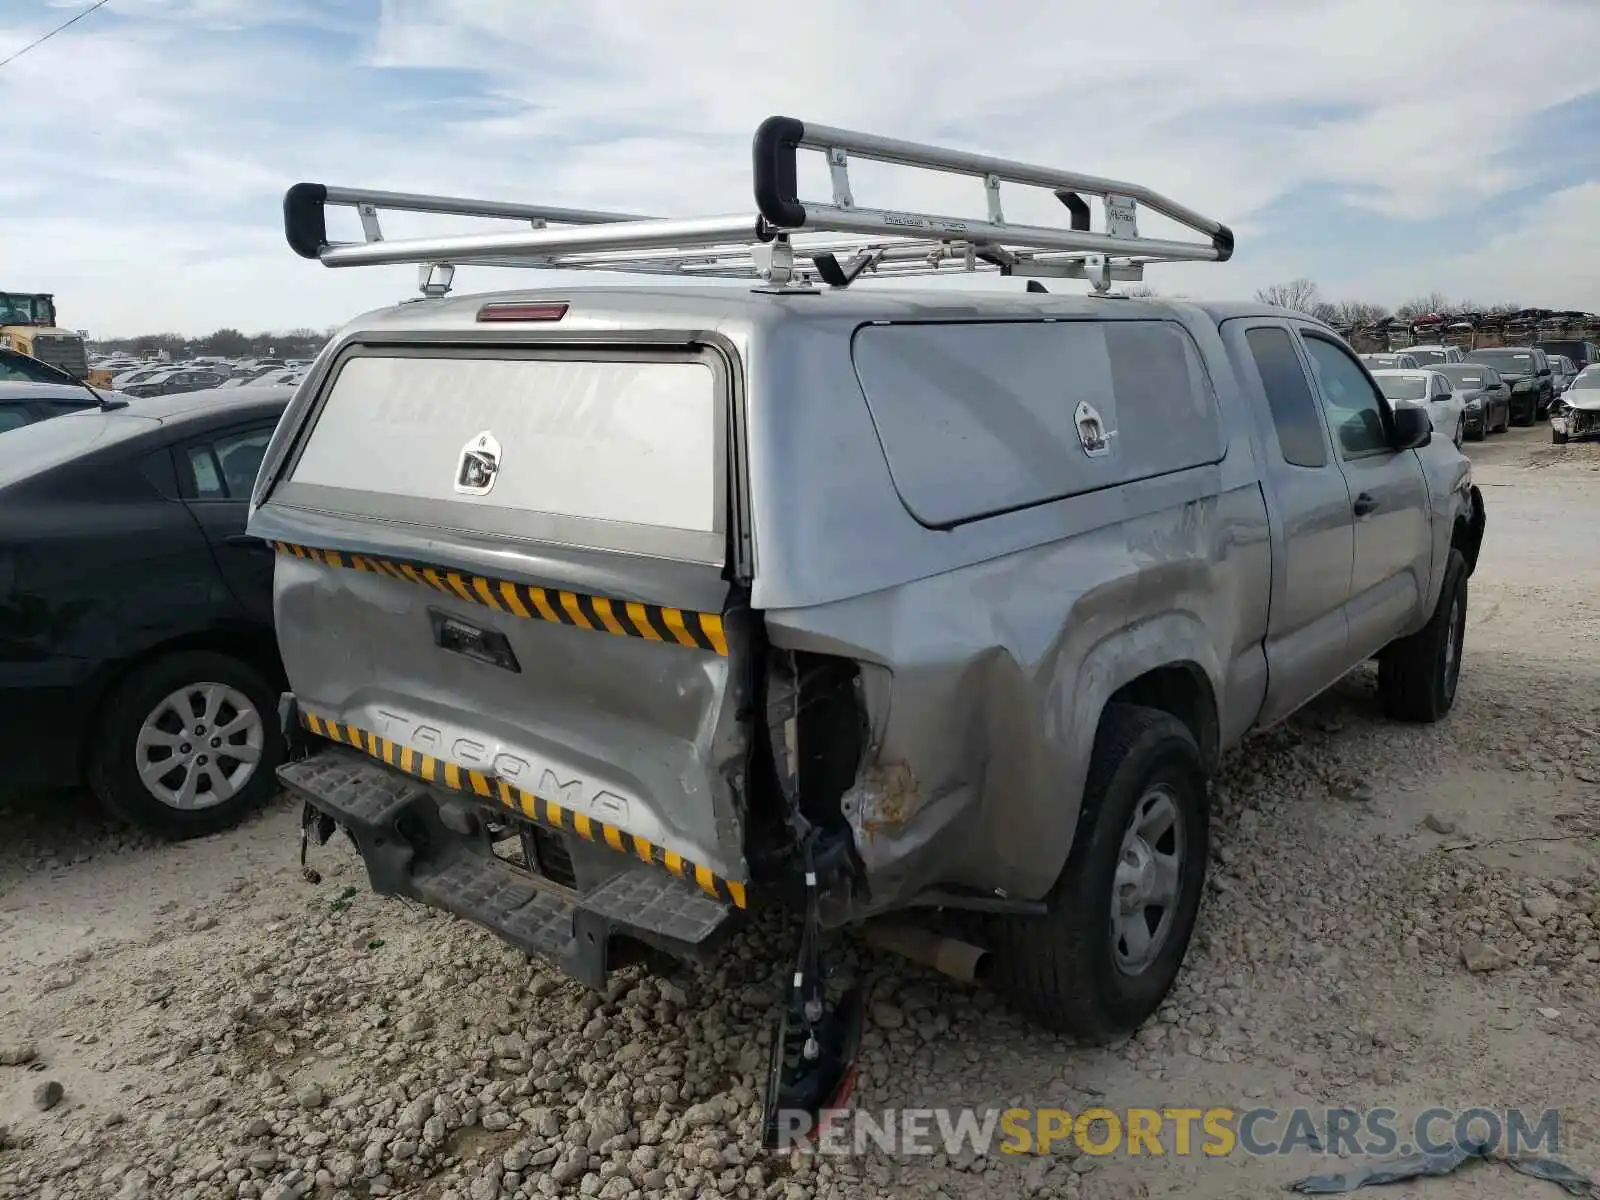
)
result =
(1355, 413)
(1294, 410)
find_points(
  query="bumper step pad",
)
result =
(464, 877)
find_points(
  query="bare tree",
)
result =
(1139, 291)
(1357, 313)
(1421, 306)
(1301, 295)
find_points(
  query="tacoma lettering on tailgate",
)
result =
(541, 779)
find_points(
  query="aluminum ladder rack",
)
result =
(787, 242)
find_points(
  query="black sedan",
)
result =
(1485, 398)
(136, 645)
(1527, 371)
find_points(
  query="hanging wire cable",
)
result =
(38, 41)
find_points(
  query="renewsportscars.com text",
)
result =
(1177, 1131)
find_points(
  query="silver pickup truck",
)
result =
(612, 614)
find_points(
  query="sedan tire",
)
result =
(187, 744)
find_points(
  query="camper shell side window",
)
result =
(981, 418)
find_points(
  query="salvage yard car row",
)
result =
(1467, 385)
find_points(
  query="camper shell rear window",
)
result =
(981, 418)
(610, 449)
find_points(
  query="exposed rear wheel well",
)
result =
(1183, 690)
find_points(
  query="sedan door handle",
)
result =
(1365, 504)
(247, 541)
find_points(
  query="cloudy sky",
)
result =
(1381, 149)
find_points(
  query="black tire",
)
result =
(1061, 969)
(115, 753)
(1559, 439)
(1505, 425)
(1417, 675)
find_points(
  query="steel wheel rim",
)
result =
(1452, 647)
(200, 746)
(1148, 880)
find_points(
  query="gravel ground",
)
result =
(1398, 915)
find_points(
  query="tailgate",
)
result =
(506, 567)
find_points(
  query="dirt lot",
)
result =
(219, 1027)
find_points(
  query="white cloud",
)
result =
(144, 184)
(1547, 258)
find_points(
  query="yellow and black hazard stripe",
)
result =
(493, 789)
(625, 618)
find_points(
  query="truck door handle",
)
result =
(1365, 504)
(246, 541)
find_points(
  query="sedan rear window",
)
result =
(1403, 387)
(1513, 362)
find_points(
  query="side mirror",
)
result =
(1411, 428)
(1543, 371)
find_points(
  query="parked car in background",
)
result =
(1429, 357)
(136, 639)
(176, 381)
(1427, 390)
(1485, 398)
(290, 377)
(1580, 354)
(1576, 412)
(1562, 372)
(138, 375)
(25, 403)
(1391, 362)
(1527, 370)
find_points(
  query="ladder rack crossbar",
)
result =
(959, 162)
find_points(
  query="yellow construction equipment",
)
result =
(28, 326)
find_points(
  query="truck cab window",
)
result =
(1294, 411)
(1355, 412)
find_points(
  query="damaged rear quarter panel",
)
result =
(1000, 672)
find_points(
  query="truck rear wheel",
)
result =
(1417, 675)
(1121, 914)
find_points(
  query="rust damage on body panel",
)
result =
(882, 800)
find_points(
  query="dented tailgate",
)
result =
(501, 570)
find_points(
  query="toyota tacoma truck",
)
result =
(612, 614)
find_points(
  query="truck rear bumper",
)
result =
(439, 849)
